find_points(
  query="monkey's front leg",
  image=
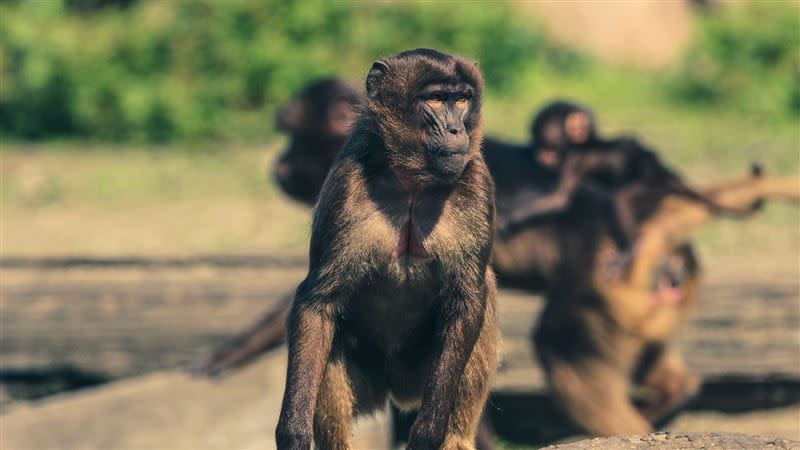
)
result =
(310, 336)
(464, 316)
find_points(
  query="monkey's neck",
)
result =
(409, 243)
(412, 185)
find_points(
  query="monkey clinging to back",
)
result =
(399, 300)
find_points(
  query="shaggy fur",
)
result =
(399, 301)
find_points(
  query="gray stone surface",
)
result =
(667, 440)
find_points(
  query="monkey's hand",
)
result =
(288, 439)
(424, 437)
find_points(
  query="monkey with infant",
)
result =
(399, 300)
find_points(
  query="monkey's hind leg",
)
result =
(595, 395)
(667, 374)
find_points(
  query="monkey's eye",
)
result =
(462, 100)
(434, 99)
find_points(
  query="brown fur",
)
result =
(382, 315)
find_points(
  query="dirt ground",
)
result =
(138, 324)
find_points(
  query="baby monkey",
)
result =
(630, 174)
(399, 300)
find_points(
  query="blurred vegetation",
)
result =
(745, 57)
(156, 71)
(151, 71)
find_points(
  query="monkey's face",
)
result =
(318, 121)
(301, 169)
(578, 127)
(439, 113)
(326, 107)
(560, 126)
(427, 108)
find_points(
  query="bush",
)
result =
(159, 71)
(745, 54)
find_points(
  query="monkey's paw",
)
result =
(425, 438)
(287, 440)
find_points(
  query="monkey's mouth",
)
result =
(444, 151)
(448, 162)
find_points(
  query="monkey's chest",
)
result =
(402, 227)
(392, 314)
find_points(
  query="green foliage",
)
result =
(746, 54)
(157, 71)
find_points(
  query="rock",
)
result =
(168, 410)
(668, 440)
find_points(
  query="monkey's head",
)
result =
(426, 107)
(318, 121)
(558, 127)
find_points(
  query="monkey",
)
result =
(596, 337)
(318, 120)
(559, 125)
(399, 300)
(564, 134)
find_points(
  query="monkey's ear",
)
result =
(376, 73)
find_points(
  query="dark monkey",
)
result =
(399, 298)
(560, 125)
(565, 136)
(318, 121)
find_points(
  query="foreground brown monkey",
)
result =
(597, 337)
(399, 299)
